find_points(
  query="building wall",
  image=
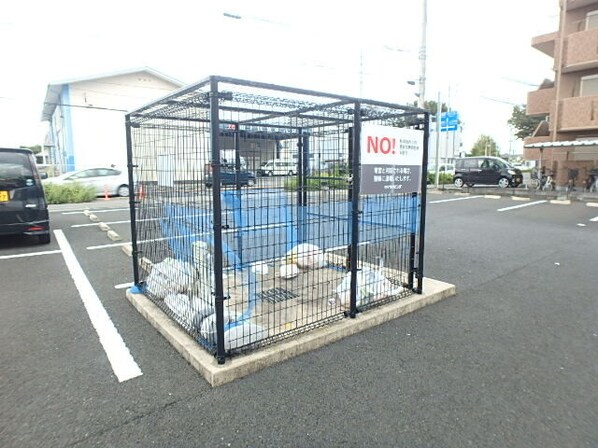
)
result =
(94, 113)
(571, 117)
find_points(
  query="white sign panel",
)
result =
(391, 159)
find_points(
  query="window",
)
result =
(472, 163)
(589, 85)
(592, 20)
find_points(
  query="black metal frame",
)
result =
(254, 110)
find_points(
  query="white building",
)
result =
(87, 115)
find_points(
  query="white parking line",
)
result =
(76, 226)
(528, 204)
(32, 254)
(97, 211)
(463, 198)
(594, 219)
(107, 246)
(123, 364)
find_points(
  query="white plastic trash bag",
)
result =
(178, 304)
(188, 310)
(372, 285)
(306, 256)
(169, 276)
(208, 326)
(204, 266)
(243, 334)
(288, 271)
(198, 310)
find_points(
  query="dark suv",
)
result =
(229, 177)
(23, 206)
(486, 171)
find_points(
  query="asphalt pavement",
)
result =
(510, 361)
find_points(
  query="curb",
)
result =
(246, 364)
(113, 235)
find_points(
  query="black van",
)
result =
(23, 206)
(486, 171)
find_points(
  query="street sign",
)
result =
(391, 159)
(449, 121)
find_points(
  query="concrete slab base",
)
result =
(243, 365)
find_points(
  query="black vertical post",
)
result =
(217, 219)
(300, 172)
(356, 175)
(350, 163)
(305, 167)
(237, 157)
(412, 239)
(132, 201)
(422, 221)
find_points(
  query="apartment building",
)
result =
(566, 142)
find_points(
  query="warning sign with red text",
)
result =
(391, 159)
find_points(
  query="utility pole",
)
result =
(421, 100)
(438, 116)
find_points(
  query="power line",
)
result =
(85, 107)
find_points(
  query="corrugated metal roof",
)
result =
(563, 144)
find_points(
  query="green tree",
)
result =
(522, 123)
(431, 106)
(485, 145)
(36, 148)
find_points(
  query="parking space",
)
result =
(524, 210)
(515, 268)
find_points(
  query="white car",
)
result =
(447, 168)
(106, 180)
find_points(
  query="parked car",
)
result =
(486, 171)
(105, 180)
(23, 206)
(230, 177)
(278, 168)
(445, 168)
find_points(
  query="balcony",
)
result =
(581, 51)
(538, 101)
(545, 43)
(578, 114)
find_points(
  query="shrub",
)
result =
(63, 194)
(321, 181)
(443, 179)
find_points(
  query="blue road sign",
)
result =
(449, 121)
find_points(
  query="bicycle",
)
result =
(573, 173)
(591, 183)
(542, 182)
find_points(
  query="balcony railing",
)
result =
(581, 51)
(578, 114)
(538, 101)
(545, 43)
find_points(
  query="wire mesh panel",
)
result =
(248, 223)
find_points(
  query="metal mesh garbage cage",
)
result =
(260, 211)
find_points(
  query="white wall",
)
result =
(98, 110)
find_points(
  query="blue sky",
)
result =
(479, 56)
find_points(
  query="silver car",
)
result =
(106, 180)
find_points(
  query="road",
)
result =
(510, 361)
